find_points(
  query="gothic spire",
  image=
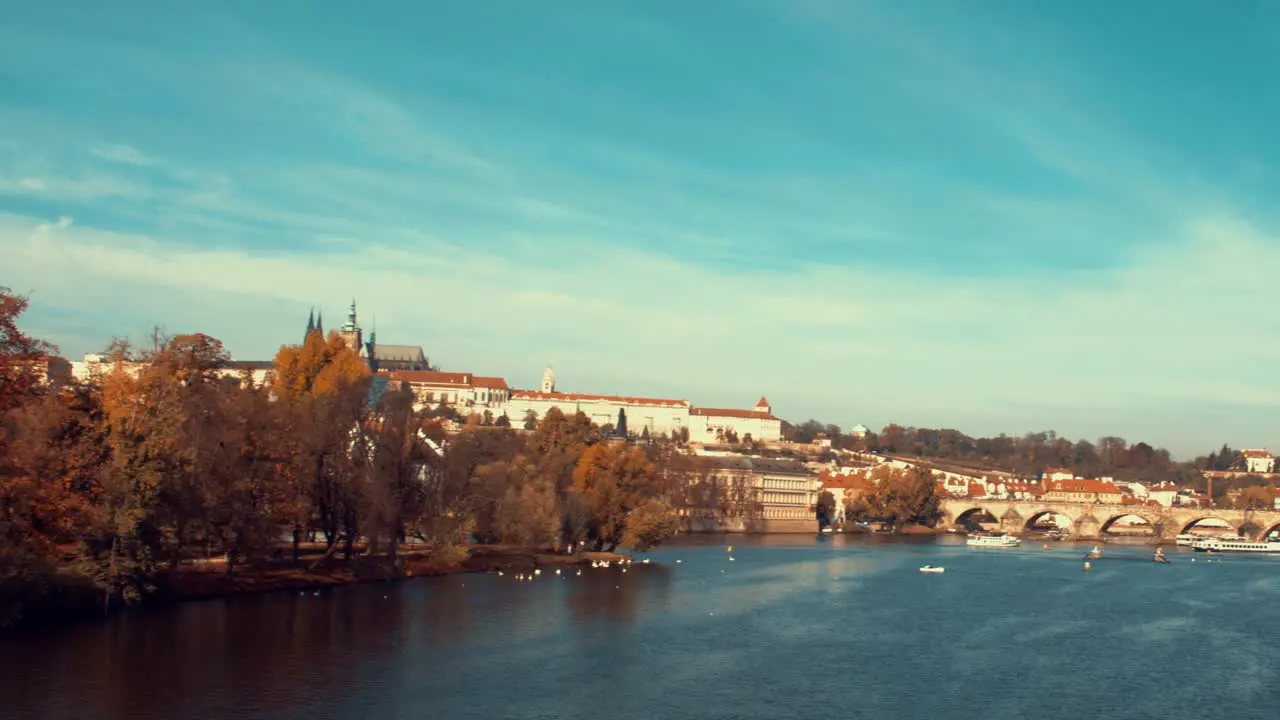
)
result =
(320, 322)
(311, 325)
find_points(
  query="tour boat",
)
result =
(932, 569)
(1212, 544)
(1186, 539)
(992, 540)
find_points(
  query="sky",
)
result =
(990, 215)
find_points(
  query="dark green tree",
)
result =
(620, 428)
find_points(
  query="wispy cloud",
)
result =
(866, 214)
(126, 154)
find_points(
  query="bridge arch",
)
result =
(1153, 523)
(1053, 513)
(1189, 526)
(1267, 529)
(974, 514)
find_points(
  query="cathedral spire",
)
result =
(311, 325)
(320, 322)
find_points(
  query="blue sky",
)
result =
(991, 215)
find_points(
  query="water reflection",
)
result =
(790, 622)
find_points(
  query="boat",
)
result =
(1213, 545)
(1186, 539)
(992, 540)
(932, 569)
(827, 529)
(1158, 556)
(1094, 554)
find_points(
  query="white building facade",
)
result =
(657, 415)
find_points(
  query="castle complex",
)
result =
(468, 393)
(475, 394)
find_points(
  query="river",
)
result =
(791, 627)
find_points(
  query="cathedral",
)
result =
(378, 357)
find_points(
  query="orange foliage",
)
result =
(318, 367)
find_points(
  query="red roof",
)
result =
(431, 377)
(580, 397)
(1077, 485)
(1263, 454)
(764, 402)
(728, 412)
(976, 490)
(493, 383)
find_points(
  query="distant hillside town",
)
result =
(841, 463)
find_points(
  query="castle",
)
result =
(475, 394)
(378, 357)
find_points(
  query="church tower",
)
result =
(548, 381)
(311, 326)
(351, 333)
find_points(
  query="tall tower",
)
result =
(351, 332)
(548, 381)
(311, 325)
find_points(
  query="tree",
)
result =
(620, 428)
(1256, 498)
(649, 524)
(503, 421)
(530, 420)
(826, 509)
(613, 479)
(900, 497)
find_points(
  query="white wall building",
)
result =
(658, 415)
(464, 391)
(711, 424)
(1258, 461)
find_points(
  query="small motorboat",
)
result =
(932, 569)
(1094, 554)
(1158, 556)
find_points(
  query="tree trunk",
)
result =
(297, 542)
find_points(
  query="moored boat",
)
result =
(932, 569)
(1213, 544)
(992, 540)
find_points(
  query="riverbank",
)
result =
(210, 580)
(70, 598)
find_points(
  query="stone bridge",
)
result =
(1093, 520)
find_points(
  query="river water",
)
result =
(792, 627)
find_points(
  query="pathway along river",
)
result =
(793, 627)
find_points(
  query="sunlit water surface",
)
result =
(792, 627)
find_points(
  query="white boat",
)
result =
(1213, 544)
(1186, 539)
(932, 569)
(992, 540)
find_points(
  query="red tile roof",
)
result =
(493, 383)
(729, 412)
(1263, 454)
(580, 397)
(764, 402)
(430, 377)
(1099, 487)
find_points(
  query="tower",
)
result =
(763, 406)
(548, 381)
(351, 332)
(370, 347)
(311, 325)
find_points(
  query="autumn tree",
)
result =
(613, 479)
(324, 383)
(899, 497)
